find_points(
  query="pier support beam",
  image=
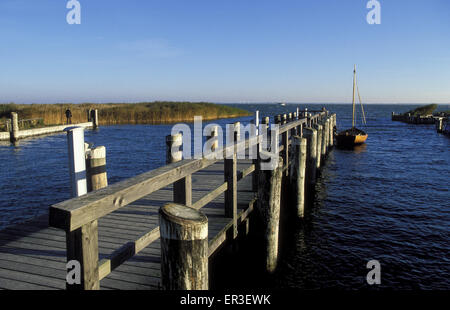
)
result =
(311, 155)
(298, 173)
(268, 206)
(332, 130)
(230, 177)
(324, 139)
(184, 248)
(319, 129)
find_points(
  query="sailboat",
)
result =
(353, 136)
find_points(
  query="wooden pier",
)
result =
(14, 134)
(139, 233)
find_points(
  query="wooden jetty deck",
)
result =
(33, 255)
(114, 232)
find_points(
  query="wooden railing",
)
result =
(79, 216)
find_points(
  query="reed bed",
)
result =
(122, 113)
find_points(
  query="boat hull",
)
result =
(351, 137)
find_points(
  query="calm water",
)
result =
(388, 200)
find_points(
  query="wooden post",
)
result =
(257, 121)
(255, 160)
(268, 205)
(214, 133)
(184, 248)
(94, 118)
(311, 155)
(319, 129)
(332, 130)
(298, 174)
(277, 119)
(182, 189)
(96, 168)
(230, 176)
(285, 143)
(325, 135)
(14, 133)
(77, 161)
(82, 243)
(293, 119)
(89, 115)
(439, 124)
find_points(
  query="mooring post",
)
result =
(325, 135)
(311, 155)
(182, 189)
(331, 131)
(14, 133)
(319, 129)
(266, 122)
(89, 114)
(96, 168)
(439, 124)
(257, 121)
(94, 118)
(230, 176)
(82, 243)
(213, 134)
(285, 142)
(184, 248)
(256, 155)
(268, 205)
(298, 174)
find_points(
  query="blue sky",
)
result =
(224, 51)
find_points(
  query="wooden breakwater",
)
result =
(415, 119)
(139, 233)
(14, 134)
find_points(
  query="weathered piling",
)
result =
(94, 118)
(268, 206)
(14, 133)
(213, 134)
(230, 177)
(89, 113)
(324, 139)
(439, 124)
(182, 189)
(331, 144)
(298, 173)
(96, 168)
(311, 155)
(319, 129)
(184, 248)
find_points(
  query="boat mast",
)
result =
(353, 101)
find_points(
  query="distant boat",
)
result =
(283, 104)
(353, 136)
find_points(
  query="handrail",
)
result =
(74, 213)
